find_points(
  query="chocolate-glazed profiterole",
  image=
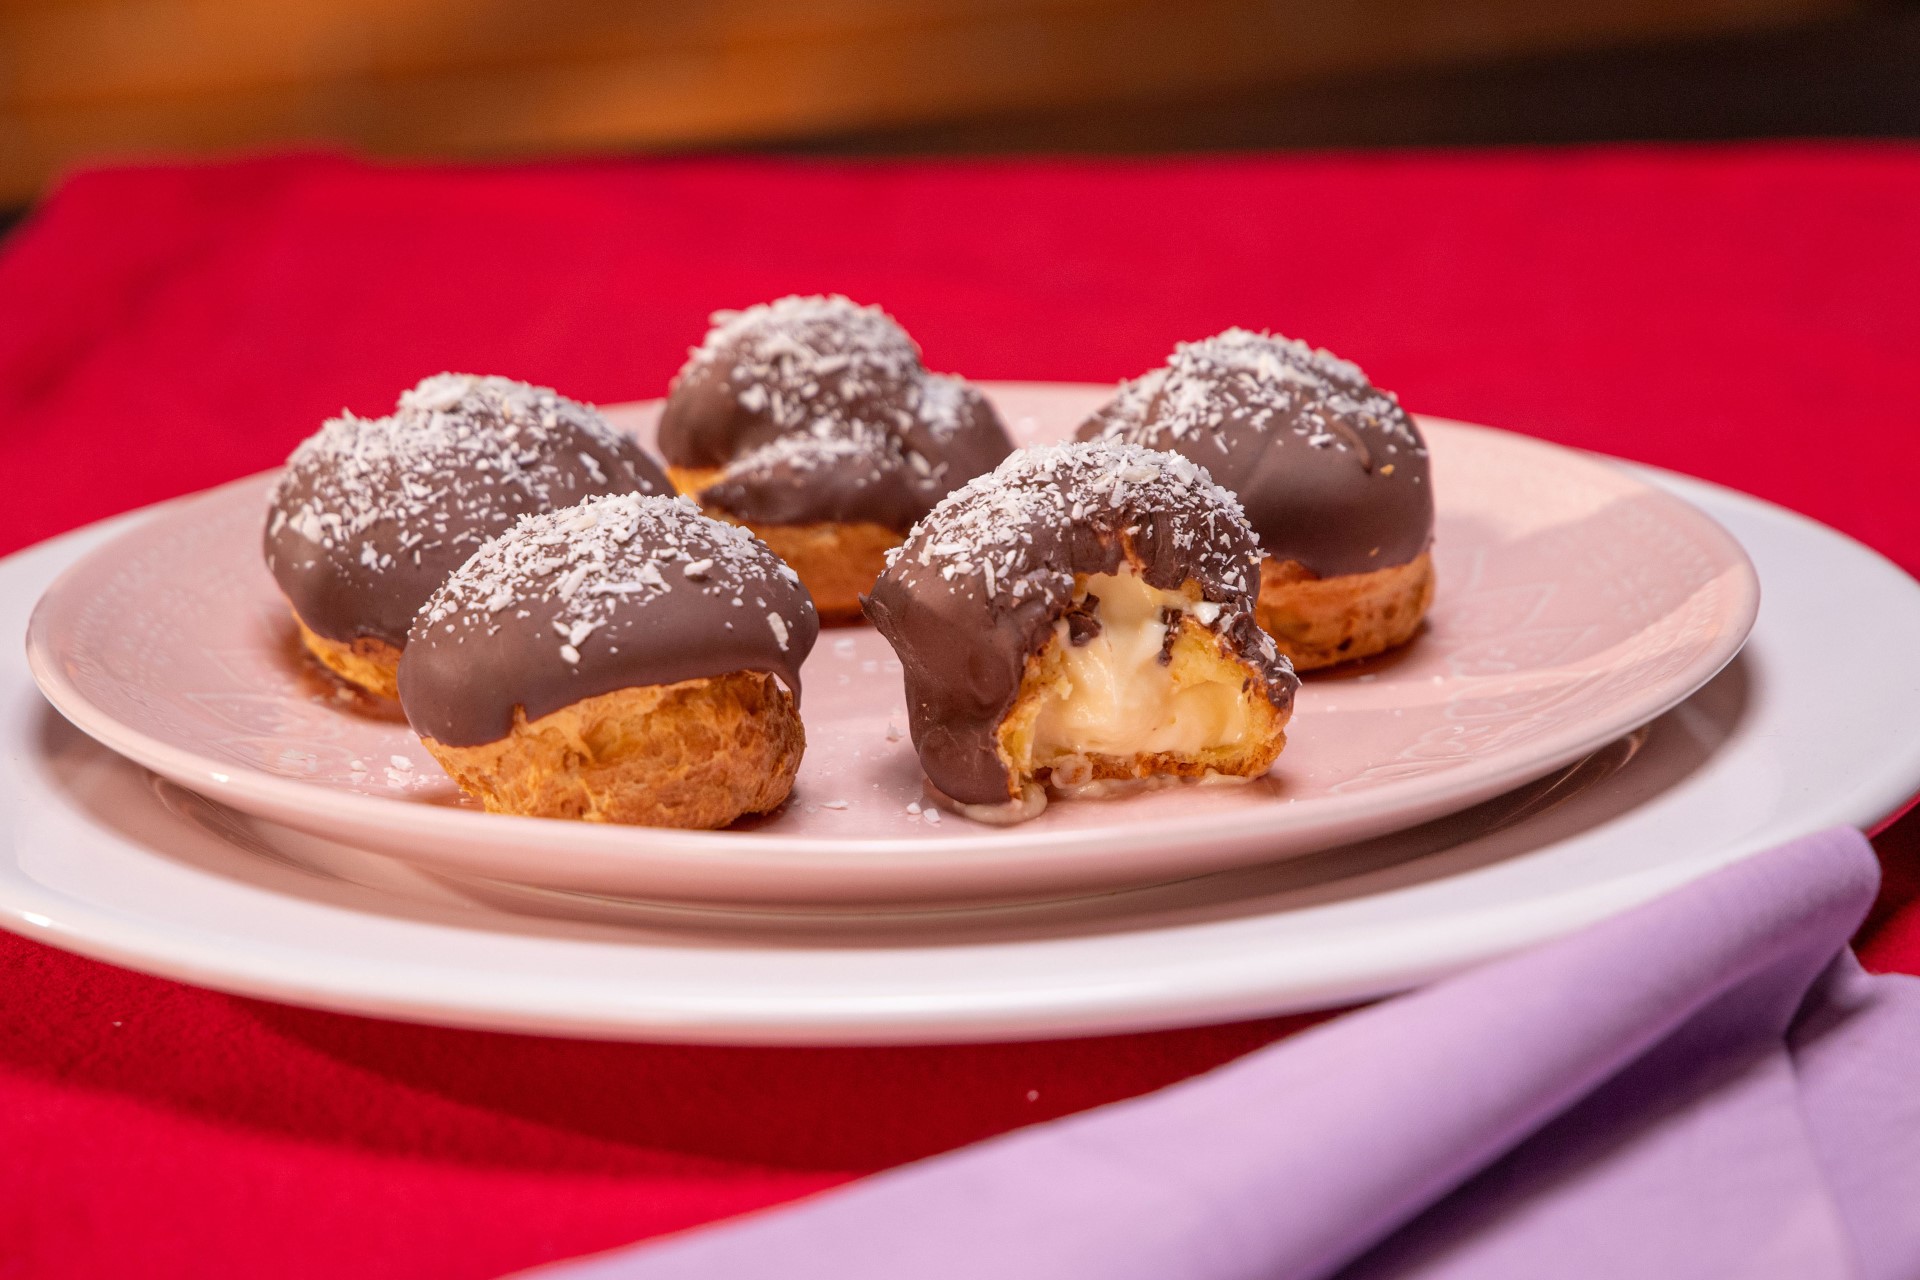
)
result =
(813, 422)
(372, 514)
(624, 660)
(1331, 470)
(1085, 612)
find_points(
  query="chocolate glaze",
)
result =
(1331, 470)
(978, 585)
(615, 593)
(372, 514)
(819, 410)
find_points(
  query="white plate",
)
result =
(1575, 603)
(98, 857)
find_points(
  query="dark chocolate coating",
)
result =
(617, 593)
(1332, 472)
(818, 410)
(778, 368)
(372, 514)
(977, 587)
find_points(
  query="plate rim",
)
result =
(342, 813)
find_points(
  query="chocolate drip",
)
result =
(1332, 471)
(372, 514)
(818, 410)
(617, 593)
(979, 584)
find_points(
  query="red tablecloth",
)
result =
(1748, 315)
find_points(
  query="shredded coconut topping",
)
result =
(819, 446)
(982, 538)
(1123, 416)
(802, 359)
(937, 401)
(809, 348)
(844, 386)
(459, 457)
(1268, 382)
(602, 556)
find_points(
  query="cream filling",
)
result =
(1115, 697)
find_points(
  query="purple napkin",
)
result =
(1706, 1086)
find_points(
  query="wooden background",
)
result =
(85, 80)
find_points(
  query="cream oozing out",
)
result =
(989, 594)
(1117, 693)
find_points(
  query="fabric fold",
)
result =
(1672, 1092)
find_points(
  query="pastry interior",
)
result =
(1134, 684)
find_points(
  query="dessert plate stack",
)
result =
(1572, 734)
